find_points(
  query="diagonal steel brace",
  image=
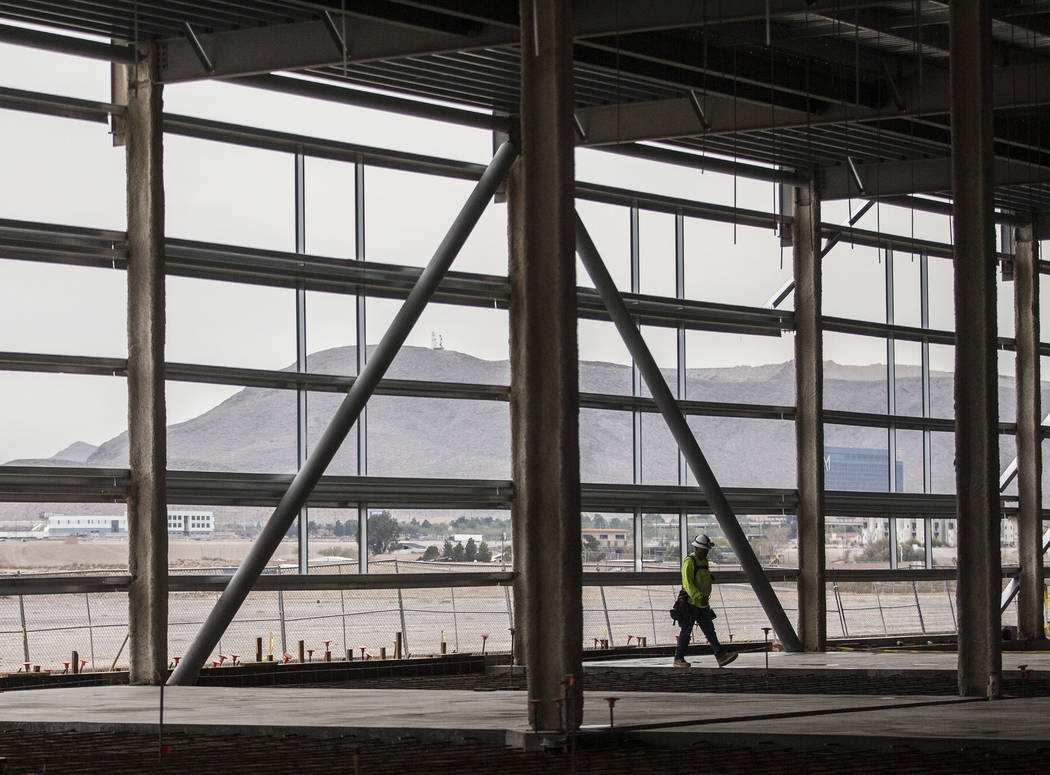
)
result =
(346, 416)
(678, 426)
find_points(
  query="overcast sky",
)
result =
(67, 172)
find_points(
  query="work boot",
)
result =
(726, 658)
(681, 663)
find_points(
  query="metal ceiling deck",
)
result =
(798, 57)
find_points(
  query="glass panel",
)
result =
(330, 202)
(943, 532)
(873, 548)
(942, 381)
(608, 541)
(854, 373)
(229, 324)
(595, 166)
(605, 446)
(660, 542)
(1007, 362)
(252, 430)
(854, 283)
(448, 343)
(911, 542)
(656, 240)
(747, 453)
(942, 294)
(663, 346)
(318, 118)
(610, 230)
(70, 417)
(604, 359)
(659, 451)
(943, 464)
(438, 437)
(734, 265)
(737, 368)
(907, 303)
(909, 460)
(856, 458)
(908, 378)
(203, 180)
(331, 333)
(61, 309)
(42, 153)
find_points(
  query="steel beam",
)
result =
(346, 415)
(918, 176)
(976, 374)
(809, 422)
(544, 409)
(370, 38)
(67, 44)
(1030, 620)
(668, 119)
(147, 431)
(683, 434)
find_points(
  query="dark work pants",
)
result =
(701, 616)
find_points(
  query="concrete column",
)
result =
(809, 419)
(1029, 437)
(976, 398)
(147, 453)
(544, 402)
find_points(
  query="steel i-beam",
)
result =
(364, 386)
(676, 422)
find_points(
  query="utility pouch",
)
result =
(680, 610)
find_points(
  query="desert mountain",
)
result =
(254, 430)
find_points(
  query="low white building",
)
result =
(180, 522)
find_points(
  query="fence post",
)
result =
(605, 607)
(725, 613)
(91, 630)
(842, 613)
(951, 605)
(25, 633)
(280, 613)
(918, 606)
(652, 613)
(878, 599)
(342, 608)
(401, 608)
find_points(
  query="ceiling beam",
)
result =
(303, 45)
(922, 176)
(1022, 86)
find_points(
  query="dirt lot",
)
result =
(72, 552)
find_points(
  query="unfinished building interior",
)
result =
(670, 185)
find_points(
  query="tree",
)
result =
(458, 553)
(431, 553)
(591, 549)
(338, 529)
(508, 554)
(446, 550)
(470, 551)
(484, 553)
(383, 532)
(600, 522)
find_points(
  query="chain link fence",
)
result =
(45, 629)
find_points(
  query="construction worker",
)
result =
(696, 583)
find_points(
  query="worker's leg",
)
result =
(685, 634)
(707, 627)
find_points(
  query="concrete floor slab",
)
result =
(679, 719)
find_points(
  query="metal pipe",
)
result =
(328, 445)
(680, 429)
(66, 44)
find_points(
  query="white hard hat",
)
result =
(702, 542)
